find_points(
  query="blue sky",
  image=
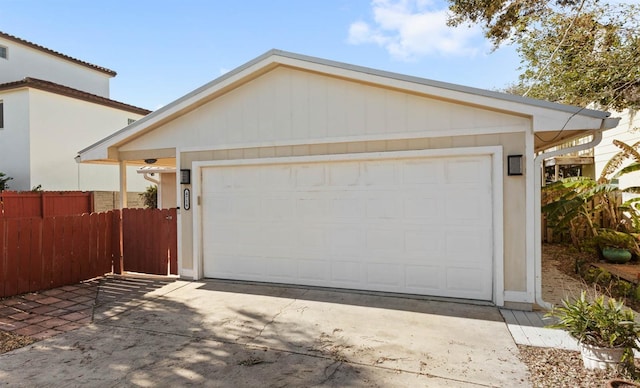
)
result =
(164, 49)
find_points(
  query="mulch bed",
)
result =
(9, 341)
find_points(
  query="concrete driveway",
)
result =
(224, 334)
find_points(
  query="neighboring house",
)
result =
(50, 106)
(590, 162)
(628, 131)
(295, 169)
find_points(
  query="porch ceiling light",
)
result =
(150, 161)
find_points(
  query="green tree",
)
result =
(150, 197)
(3, 181)
(572, 51)
(584, 204)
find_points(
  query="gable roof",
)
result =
(577, 117)
(57, 54)
(62, 90)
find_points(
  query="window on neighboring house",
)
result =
(1, 114)
(3, 52)
(130, 121)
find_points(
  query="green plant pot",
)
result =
(616, 255)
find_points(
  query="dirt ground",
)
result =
(9, 342)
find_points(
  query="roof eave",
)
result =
(38, 47)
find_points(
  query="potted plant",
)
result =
(616, 247)
(605, 330)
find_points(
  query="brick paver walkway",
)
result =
(44, 314)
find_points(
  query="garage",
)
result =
(294, 169)
(404, 224)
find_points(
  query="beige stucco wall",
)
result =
(58, 127)
(23, 61)
(514, 186)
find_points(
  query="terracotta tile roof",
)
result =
(52, 87)
(57, 54)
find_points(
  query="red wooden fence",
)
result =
(149, 241)
(42, 253)
(45, 203)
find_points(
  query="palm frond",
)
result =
(635, 166)
(627, 151)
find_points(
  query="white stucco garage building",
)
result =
(308, 171)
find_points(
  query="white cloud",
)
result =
(409, 29)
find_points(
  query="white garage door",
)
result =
(416, 225)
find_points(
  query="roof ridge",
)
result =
(71, 92)
(57, 54)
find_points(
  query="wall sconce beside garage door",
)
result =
(185, 177)
(514, 165)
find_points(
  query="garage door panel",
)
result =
(342, 207)
(309, 207)
(344, 175)
(315, 272)
(282, 269)
(465, 280)
(311, 238)
(465, 246)
(277, 208)
(385, 275)
(421, 240)
(423, 278)
(423, 172)
(385, 206)
(345, 240)
(312, 175)
(278, 177)
(241, 268)
(245, 177)
(426, 208)
(346, 273)
(421, 225)
(380, 174)
(385, 240)
(471, 169)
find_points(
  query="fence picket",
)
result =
(48, 251)
(24, 253)
(3, 256)
(35, 257)
(11, 278)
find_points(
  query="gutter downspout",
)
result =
(147, 176)
(607, 123)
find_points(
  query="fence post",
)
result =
(116, 233)
(42, 205)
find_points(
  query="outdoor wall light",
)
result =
(514, 165)
(185, 177)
